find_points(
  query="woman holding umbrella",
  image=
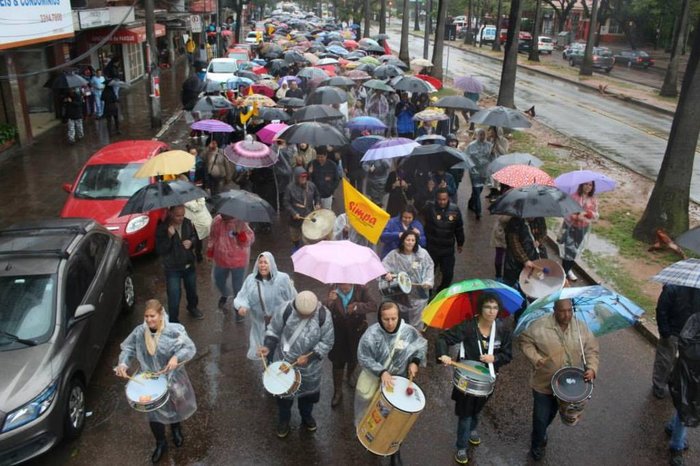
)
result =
(577, 225)
(400, 189)
(487, 340)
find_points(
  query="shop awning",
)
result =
(132, 35)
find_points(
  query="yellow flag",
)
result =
(364, 215)
(246, 116)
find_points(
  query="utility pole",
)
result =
(153, 82)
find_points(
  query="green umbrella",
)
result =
(378, 85)
(370, 61)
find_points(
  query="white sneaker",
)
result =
(571, 276)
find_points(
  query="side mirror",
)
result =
(67, 187)
(83, 311)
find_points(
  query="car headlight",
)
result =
(31, 410)
(137, 223)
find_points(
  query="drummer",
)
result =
(300, 199)
(162, 347)
(389, 347)
(301, 333)
(551, 343)
(474, 337)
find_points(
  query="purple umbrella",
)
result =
(390, 148)
(469, 84)
(569, 182)
(287, 79)
(212, 126)
(363, 143)
(268, 133)
(365, 123)
(251, 154)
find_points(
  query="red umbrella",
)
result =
(329, 69)
(260, 70)
(350, 44)
(434, 81)
(258, 89)
(518, 176)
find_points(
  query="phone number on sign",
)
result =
(51, 17)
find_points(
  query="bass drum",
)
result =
(318, 226)
(572, 393)
(546, 278)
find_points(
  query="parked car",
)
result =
(239, 54)
(106, 182)
(573, 48)
(524, 46)
(545, 44)
(254, 37)
(638, 58)
(63, 283)
(602, 58)
(486, 34)
(221, 70)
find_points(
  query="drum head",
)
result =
(539, 283)
(480, 371)
(568, 385)
(400, 399)
(318, 224)
(404, 282)
(145, 390)
(277, 382)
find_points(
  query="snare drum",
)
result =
(146, 392)
(572, 393)
(318, 226)
(390, 417)
(401, 284)
(281, 379)
(476, 381)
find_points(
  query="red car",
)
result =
(104, 185)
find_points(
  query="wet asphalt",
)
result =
(235, 420)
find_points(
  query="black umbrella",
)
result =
(316, 113)
(68, 81)
(272, 113)
(364, 143)
(356, 55)
(397, 63)
(457, 102)
(291, 102)
(412, 84)
(432, 157)
(374, 48)
(248, 74)
(386, 71)
(243, 205)
(293, 56)
(277, 65)
(690, 240)
(270, 50)
(313, 133)
(338, 81)
(502, 117)
(212, 103)
(535, 201)
(161, 195)
(327, 95)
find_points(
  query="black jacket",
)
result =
(325, 177)
(442, 227)
(170, 249)
(676, 304)
(73, 107)
(468, 333)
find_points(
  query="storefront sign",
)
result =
(93, 18)
(28, 22)
(201, 6)
(134, 35)
(196, 23)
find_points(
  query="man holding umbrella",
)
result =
(443, 226)
(300, 199)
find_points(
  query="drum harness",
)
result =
(489, 351)
(569, 359)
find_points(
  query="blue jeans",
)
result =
(678, 433)
(465, 425)
(221, 280)
(304, 403)
(475, 201)
(544, 411)
(172, 283)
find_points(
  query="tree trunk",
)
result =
(382, 17)
(496, 47)
(668, 205)
(670, 86)
(416, 17)
(506, 91)
(368, 14)
(587, 65)
(534, 50)
(426, 33)
(469, 22)
(439, 39)
(403, 49)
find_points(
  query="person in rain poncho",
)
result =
(479, 151)
(377, 173)
(409, 257)
(377, 106)
(264, 293)
(302, 334)
(161, 346)
(388, 348)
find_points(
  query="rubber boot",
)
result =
(396, 459)
(352, 380)
(337, 387)
(158, 430)
(178, 438)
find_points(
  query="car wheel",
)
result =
(128, 293)
(608, 70)
(571, 63)
(75, 410)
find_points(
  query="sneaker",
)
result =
(677, 458)
(474, 438)
(282, 430)
(570, 275)
(537, 453)
(222, 303)
(196, 314)
(659, 393)
(461, 456)
(239, 318)
(310, 423)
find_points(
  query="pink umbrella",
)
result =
(251, 154)
(268, 133)
(338, 262)
(212, 126)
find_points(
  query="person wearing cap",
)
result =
(300, 199)
(300, 333)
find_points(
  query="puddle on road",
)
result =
(212, 373)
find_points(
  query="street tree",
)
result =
(439, 39)
(382, 17)
(668, 205)
(506, 90)
(670, 86)
(587, 65)
(416, 16)
(368, 14)
(562, 10)
(496, 47)
(404, 56)
(534, 49)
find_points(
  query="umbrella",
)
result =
(68, 81)
(502, 117)
(517, 176)
(273, 113)
(311, 58)
(292, 56)
(258, 89)
(338, 81)
(350, 44)
(457, 303)
(394, 61)
(681, 273)
(313, 133)
(469, 84)
(316, 112)
(602, 310)
(244, 205)
(457, 102)
(267, 133)
(270, 50)
(515, 158)
(413, 84)
(437, 84)
(421, 62)
(326, 61)
(367, 42)
(329, 69)
(569, 182)
(212, 126)
(435, 138)
(373, 48)
(311, 73)
(338, 262)
(291, 102)
(378, 85)
(251, 154)
(365, 123)
(237, 81)
(363, 143)
(212, 103)
(431, 114)
(357, 75)
(271, 83)
(261, 100)
(432, 157)
(690, 240)
(171, 162)
(338, 50)
(161, 195)
(535, 201)
(287, 79)
(211, 86)
(248, 74)
(327, 95)
(389, 149)
(386, 71)
(370, 61)
(366, 67)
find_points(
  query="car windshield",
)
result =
(603, 52)
(546, 40)
(222, 67)
(27, 308)
(109, 181)
(641, 54)
(238, 56)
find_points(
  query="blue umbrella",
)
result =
(237, 81)
(338, 50)
(602, 310)
(365, 123)
(363, 143)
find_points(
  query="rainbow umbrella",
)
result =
(453, 305)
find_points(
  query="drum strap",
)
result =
(260, 297)
(489, 350)
(287, 344)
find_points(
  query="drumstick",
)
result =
(295, 362)
(465, 367)
(133, 379)
(409, 388)
(264, 361)
(165, 369)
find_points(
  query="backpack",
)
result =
(288, 312)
